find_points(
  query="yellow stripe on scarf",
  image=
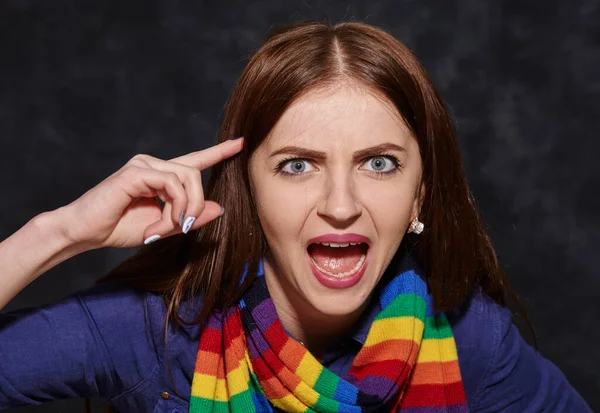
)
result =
(398, 328)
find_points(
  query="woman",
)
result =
(339, 263)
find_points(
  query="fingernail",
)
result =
(181, 219)
(239, 137)
(151, 239)
(188, 224)
(222, 211)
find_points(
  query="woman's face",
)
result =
(336, 186)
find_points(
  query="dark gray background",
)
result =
(85, 86)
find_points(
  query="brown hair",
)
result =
(454, 249)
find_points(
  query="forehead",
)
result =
(341, 114)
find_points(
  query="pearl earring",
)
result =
(416, 226)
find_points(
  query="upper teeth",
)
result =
(338, 244)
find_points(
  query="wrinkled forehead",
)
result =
(340, 116)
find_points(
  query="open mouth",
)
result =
(338, 259)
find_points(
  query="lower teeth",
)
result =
(343, 274)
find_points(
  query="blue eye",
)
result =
(381, 164)
(296, 166)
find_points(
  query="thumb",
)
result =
(211, 211)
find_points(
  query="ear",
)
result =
(418, 202)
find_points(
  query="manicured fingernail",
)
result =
(239, 137)
(181, 219)
(151, 239)
(222, 211)
(188, 224)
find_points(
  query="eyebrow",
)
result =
(313, 154)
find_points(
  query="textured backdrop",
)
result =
(86, 85)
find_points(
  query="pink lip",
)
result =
(334, 282)
(340, 238)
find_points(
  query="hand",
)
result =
(123, 210)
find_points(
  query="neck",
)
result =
(315, 330)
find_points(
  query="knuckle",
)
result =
(137, 162)
(131, 170)
(173, 178)
(139, 157)
(194, 175)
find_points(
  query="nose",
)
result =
(340, 205)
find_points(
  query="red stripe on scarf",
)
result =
(434, 395)
(211, 341)
(385, 368)
(276, 336)
(386, 350)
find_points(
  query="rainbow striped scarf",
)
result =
(246, 361)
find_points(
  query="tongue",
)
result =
(335, 260)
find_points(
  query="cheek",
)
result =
(282, 210)
(390, 207)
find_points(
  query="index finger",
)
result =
(208, 157)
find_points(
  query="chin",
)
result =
(339, 307)
(336, 301)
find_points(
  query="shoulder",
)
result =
(124, 316)
(479, 320)
(500, 371)
(477, 325)
(106, 341)
(130, 311)
(132, 324)
(127, 324)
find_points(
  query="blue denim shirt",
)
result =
(109, 342)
